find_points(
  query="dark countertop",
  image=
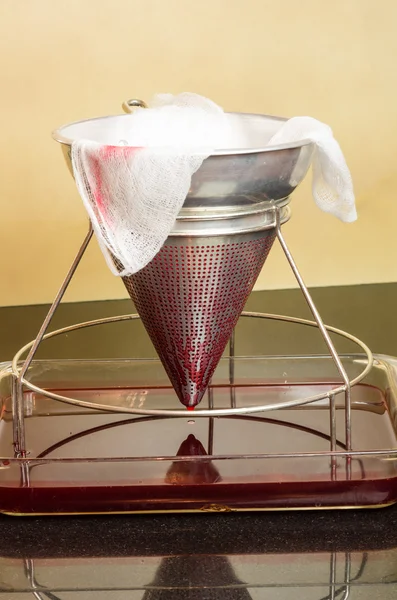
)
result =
(311, 554)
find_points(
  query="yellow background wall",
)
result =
(64, 60)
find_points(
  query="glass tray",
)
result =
(88, 461)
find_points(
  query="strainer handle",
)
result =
(129, 105)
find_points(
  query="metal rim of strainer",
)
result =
(129, 105)
(211, 412)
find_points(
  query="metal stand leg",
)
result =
(231, 370)
(332, 577)
(347, 576)
(324, 333)
(210, 421)
(335, 592)
(30, 575)
(18, 403)
(332, 427)
(211, 394)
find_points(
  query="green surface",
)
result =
(368, 311)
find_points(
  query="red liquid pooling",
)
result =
(218, 496)
(196, 480)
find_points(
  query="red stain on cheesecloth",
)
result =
(99, 162)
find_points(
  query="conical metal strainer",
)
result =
(190, 297)
(191, 294)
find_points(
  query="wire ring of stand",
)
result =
(211, 412)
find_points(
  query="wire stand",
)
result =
(20, 380)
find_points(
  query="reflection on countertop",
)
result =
(276, 555)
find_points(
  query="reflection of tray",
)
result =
(205, 576)
(85, 461)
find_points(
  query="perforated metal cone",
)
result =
(190, 297)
